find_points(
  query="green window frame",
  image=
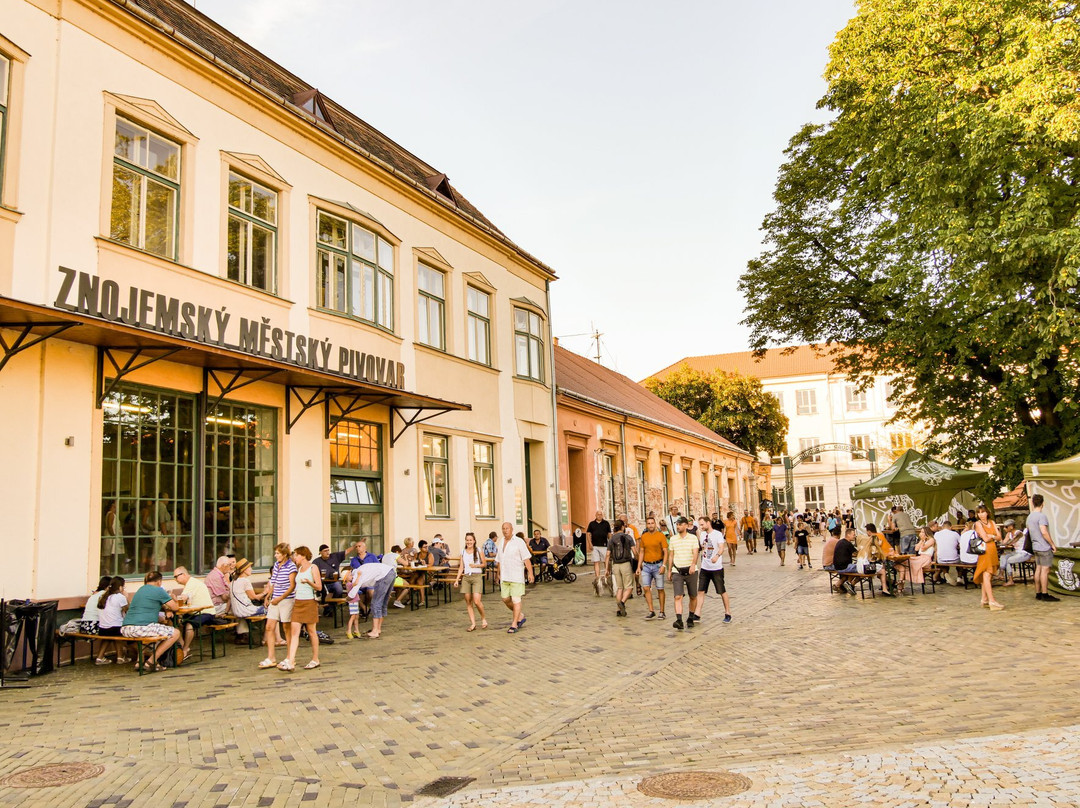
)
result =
(665, 481)
(478, 325)
(354, 271)
(5, 91)
(356, 485)
(431, 307)
(528, 345)
(251, 256)
(145, 208)
(149, 463)
(483, 479)
(241, 484)
(436, 449)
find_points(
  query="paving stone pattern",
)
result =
(817, 698)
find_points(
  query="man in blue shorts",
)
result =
(653, 559)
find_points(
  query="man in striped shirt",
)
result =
(684, 551)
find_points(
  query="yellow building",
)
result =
(232, 313)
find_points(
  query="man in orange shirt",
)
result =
(749, 530)
(654, 560)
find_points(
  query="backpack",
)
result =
(1027, 546)
(619, 548)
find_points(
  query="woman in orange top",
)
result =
(988, 562)
(731, 536)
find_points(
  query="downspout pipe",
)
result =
(554, 414)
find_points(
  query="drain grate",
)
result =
(444, 786)
(54, 774)
(694, 785)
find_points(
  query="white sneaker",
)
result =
(399, 605)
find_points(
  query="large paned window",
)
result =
(436, 475)
(860, 446)
(147, 481)
(529, 344)
(431, 307)
(241, 484)
(609, 487)
(355, 269)
(356, 499)
(901, 441)
(642, 504)
(252, 245)
(704, 494)
(483, 479)
(665, 478)
(145, 189)
(478, 326)
(688, 510)
(5, 82)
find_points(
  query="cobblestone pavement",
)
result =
(819, 699)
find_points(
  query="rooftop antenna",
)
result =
(594, 336)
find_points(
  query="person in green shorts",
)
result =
(514, 562)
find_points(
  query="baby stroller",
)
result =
(564, 557)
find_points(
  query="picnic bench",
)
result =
(863, 579)
(72, 638)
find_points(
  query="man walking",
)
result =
(1043, 546)
(749, 532)
(683, 572)
(598, 531)
(712, 568)
(514, 563)
(653, 562)
(620, 554)
(670, 520)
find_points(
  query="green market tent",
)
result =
(1059, 483)
(925, 488)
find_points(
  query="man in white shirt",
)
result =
(514, 563)
(712, 567)
(948, 550)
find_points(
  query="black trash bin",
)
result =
(39, 621)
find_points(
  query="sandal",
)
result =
(511, 630)
(267, 663)
(285, 665)
(484, 624)
(471, 628)
(312, 665)
(102, 661)
(371, 636)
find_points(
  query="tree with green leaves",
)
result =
(730, 404)
(930, 231)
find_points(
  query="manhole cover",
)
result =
(55, 774)
(694, 785)
(444, 786)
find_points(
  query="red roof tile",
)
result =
(577, 376)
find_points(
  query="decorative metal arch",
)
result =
(791, 462)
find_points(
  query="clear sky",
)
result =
(632, 146)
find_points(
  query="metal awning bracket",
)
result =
(417, 417)
(353, 403)
(229, 380)
(306, 398)
(27, 338)
(138, 357)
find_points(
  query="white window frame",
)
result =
(146, 175)
(806, 401)
(248, 221)
(861, 445)
(810, 443)
(818, 500)
(608, 470)
(855, 399)
(483, 480)
(642, 498)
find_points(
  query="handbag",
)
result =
(1027, 546)
(976, 545)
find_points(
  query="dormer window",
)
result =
(312, 102)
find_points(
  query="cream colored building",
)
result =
(234, 314)
(824, 409)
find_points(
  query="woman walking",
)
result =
(470, 578)
(988, 562)
(278, 597)
(305, 611)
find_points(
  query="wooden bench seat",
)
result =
(139, 642)
(255, 620)
(861, 578)
(424, 589)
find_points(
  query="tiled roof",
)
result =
(1016, 499)
(189, 27)
(577, 376)
(803, 360)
